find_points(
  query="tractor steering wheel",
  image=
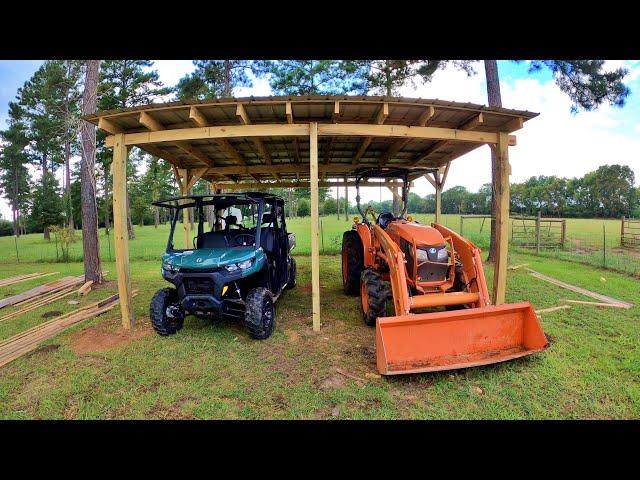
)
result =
(384, 219)
(250, 236)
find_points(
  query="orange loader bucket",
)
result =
(428, 342)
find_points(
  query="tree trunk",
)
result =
(90, 241)
(47, 234)
(227, 78)
(67, 191)
(495, 100)
(107, 212)
(132, 233)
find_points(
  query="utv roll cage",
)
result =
(388, 173)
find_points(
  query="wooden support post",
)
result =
(538, 218)
(183, 183)
(338, 203)
(621, 232)
(121, 235)
(502, 220)
(563, 234)
(436, 176)
(346, 199)
(315, 220)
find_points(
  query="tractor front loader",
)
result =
(429, 267)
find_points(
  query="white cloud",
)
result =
(171, 71)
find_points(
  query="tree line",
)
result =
(44, 129)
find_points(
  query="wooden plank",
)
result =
(598, 304)
(46, 288)
(315, 225)
(108, 126)
(186, 219)
(552, 309)
(121, 235)
(501, 221)
(583, 291)
(260, 146)
(196, 175)
(23, 278)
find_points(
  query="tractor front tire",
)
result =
(260, 313)
(165, 323)
(291, 283)
(373, 295)
(352, 262)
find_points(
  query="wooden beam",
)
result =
(289, 112)
(300, 129)
(468, 125)
(513, 125)
(502, 220)
(381, 116)
(262, 149)
(197, 117)
(108, 126)
(438, 182)
(196, 175)
(315, 225)
(398, 145)
(336, 112)
(185, 175)
(121, 235)
(150, 122)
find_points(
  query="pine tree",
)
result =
(315, 77)
(213, 79)
(14, 175)
(124, 83)
(46, 204)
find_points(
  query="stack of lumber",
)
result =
(26, 341)
(5, 282)
(47, 288)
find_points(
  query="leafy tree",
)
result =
(613, 189)
(304, 207)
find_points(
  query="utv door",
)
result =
(282, 240)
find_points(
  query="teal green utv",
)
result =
(237, 268)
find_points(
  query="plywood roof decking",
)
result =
(293, 152)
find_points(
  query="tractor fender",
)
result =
(367, 244)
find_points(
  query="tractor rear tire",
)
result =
(292, 281)
(374, 293)
(260, 313)
(352, 262)
(162, 323)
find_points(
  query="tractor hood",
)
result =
(423, 234)
(210, 258)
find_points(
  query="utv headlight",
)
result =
(233, 267)
(171, 268)
(246, 264)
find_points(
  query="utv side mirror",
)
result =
(292, 241)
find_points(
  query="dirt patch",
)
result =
(331, 383)
(45, 349)
(52, 313)
(293, 337)
(97, 339)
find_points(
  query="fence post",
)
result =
(538, 232)
(17, 255)
(461, 225)
(321, 237)
(563, 233)
(622, 232)
(604, 246)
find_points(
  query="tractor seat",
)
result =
(384, 219)
(212, 240)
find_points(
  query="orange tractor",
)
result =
(428, 267)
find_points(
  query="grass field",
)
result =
(214, 370)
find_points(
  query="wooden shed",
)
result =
(264, 142)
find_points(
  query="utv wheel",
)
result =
(373, 295)
(165, 313)
(352, 262)
(260, 314)
(291, 283)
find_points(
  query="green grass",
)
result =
(214, 370)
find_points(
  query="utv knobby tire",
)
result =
(374, 293)
(352, 262)
(162, 324)
(292, 281)
(260, 313)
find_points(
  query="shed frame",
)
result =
(265, 142)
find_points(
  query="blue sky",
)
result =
(555, 143)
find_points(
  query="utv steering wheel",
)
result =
(252, 239)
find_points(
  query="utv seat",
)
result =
(212, 240)
(267, 239)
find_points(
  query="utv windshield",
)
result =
(218, 222)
